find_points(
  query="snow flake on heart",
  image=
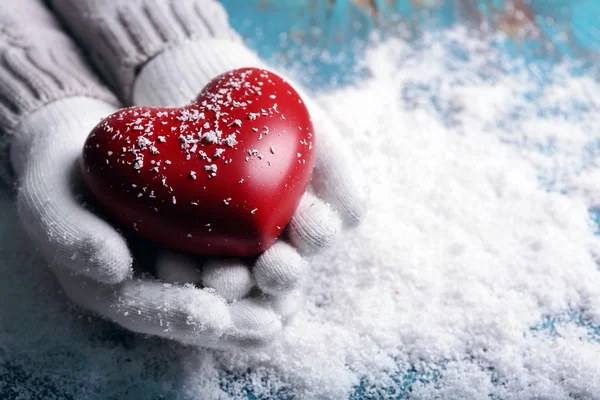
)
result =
(206, 129)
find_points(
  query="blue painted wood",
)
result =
(324, 39)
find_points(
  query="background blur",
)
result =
(324, 38)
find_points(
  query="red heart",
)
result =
(222, 176)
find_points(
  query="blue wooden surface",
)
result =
(324, 42)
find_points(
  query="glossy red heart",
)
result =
(222, 176)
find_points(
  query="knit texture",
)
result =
(92, 261)
(122, 35)
(39, 64)
(45, 153)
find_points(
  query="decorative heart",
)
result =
(222, 176)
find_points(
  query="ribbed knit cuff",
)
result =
(38, 65)
(122, 35)
(33, 76)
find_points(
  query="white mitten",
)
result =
(90, 257)
(174, 78)
(158, 53)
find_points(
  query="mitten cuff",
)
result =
(180, 72)
(38, 66)
(122, 35)
(33, 76)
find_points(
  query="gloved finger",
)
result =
(314, 224)
(255, 323)
(279, 270)
(174, 267)
(182, 313)
(230, 278)
(65, 232)
(337, 177)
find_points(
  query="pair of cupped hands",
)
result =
(216, 302)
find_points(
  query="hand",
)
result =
(93, 262)
(336, 196)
